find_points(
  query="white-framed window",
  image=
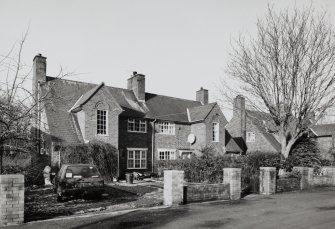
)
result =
(185, 154)
(216, 129)
(137, 125)
(167, 154)
(166, 128)
(102, 122)
(251, 137)
(137, 158)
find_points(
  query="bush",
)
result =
(99, 153)
(304, 153)
(105, 157)
(200, 169)
(209, 169)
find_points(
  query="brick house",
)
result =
(256, 131)
(253, 130)
(325, 136)
(144, 127)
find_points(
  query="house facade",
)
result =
(325, 137)
(253, 130)
(256, 131)
(144, 127)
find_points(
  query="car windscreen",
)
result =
(81, 172)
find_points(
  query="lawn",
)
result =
(41, 203)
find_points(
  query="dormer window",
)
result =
(166, 128)
(101, 122)
(137, 125)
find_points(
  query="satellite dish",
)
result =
(191, 138)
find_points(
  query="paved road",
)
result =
(314, 209)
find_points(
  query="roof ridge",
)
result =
(172, 97)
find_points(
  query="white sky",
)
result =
(180, 45)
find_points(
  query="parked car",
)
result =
(78, 179)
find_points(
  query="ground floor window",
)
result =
(167, 154)
(185, 154)
(137, 158)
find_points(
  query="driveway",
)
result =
(314, 209)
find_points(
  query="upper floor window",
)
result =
(167, 154)
(251, 137)
(137, 125)
(102, 122)
(215, 132)
(166, 128)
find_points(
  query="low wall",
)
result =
(11, 199)
(322, 180)
(206, 192)
(176, 192)
(285, 184)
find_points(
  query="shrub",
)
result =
(73, 154)
(304, 153)
(105, 157)
(99, 153)
(33, 175)
(200, 169)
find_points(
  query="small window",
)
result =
(166, 154)
(137, 159)
(250, 137)
(137, 125)
(215, 132)
(102, 122)
(166, 128)
(185, 154)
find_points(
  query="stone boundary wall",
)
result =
(286, 184)
(176, 193)
(322, 180)
(307, 180)
(206, 192)
(11, 199)
(267, 180)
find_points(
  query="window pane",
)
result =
(101, 122)
(137, 163)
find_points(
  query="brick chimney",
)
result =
(39, 72)
(202, 96)
(137, 83)
(39, 76)
(239, 116)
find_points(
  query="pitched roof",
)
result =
(199, 113)
(67, 95)
(265, 125)
(232, 145)
(168, 108)
(324, 129)
(86, 96)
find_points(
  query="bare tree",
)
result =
(19, 106)
(288, 70)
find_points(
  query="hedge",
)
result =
(209, 169)
(99, 153)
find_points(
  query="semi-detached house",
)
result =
(144, 127)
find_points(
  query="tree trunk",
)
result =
(1, 155)
(283, 143)
(286, 146)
